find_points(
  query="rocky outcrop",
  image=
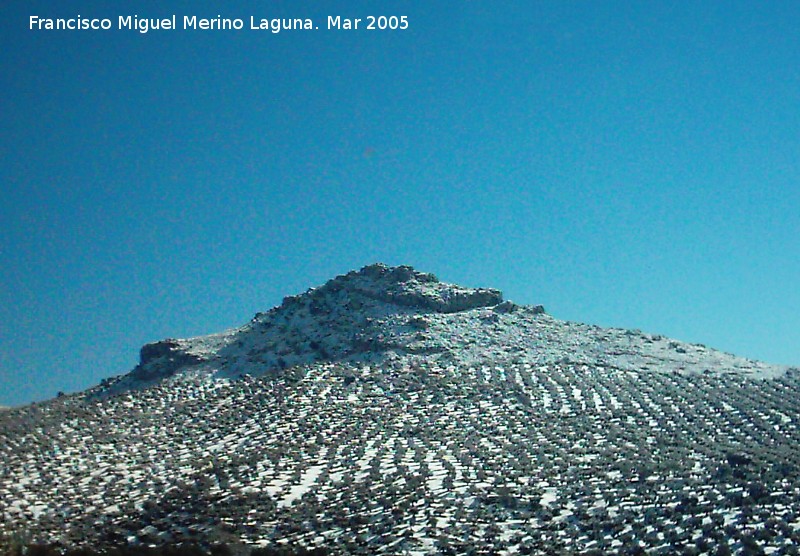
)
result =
(161, 359)
(404, 286)
(362, 313)
(445, 298)
(157, 350)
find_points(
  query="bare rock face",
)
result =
(402, 285)
(163, 358)
(157, 350)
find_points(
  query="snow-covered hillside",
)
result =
(387, 412)
(383, 315)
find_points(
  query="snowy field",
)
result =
(503, 457)
(385, 412)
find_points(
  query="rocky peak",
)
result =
(404, 286)
(171, 354)
(368, 313)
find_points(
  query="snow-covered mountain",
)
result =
(388, 412)
(390, 316)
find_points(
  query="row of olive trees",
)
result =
(13, 547)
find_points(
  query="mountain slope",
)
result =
(381, 314)
(388, 412)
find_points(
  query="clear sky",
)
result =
(634, 164)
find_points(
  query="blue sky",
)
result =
(623, 163)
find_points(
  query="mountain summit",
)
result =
(359, 316)
(391, 315)
(386, 412)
